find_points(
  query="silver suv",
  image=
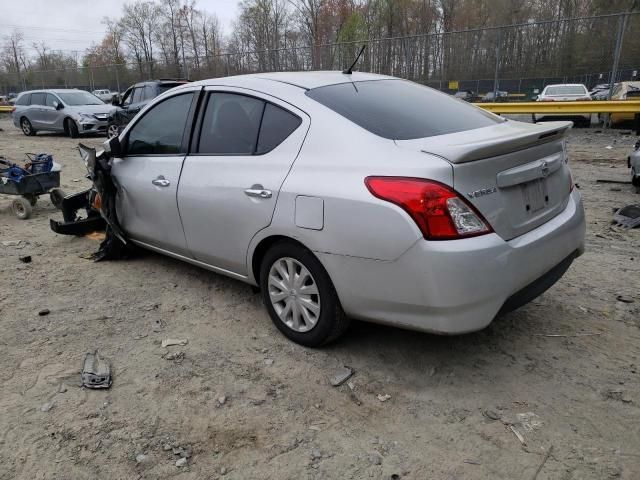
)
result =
(71, 111)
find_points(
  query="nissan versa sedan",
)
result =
(71, 111)
(350, 196)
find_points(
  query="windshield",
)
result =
(566, 90)
(401, 110)
(79, 98)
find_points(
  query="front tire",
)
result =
(113, 130)
(300, 296)
(72, 128)
(27, 128)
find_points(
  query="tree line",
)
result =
(423, 40)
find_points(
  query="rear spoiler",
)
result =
(506, 137)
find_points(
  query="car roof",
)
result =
(566, 85)
(305, 80)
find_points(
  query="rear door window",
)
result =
(401, 110)
(230, 125)
(38, 98)
(149, 92)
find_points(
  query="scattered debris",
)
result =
(607, 180)
(316, 454)
(62, 388)
(174, 341)
(609, 147)
(341, 376)
(529, 421)
(223, 471)
(182, 462)
(25, 259)
(518, 434)
(140, 458)
(222, 399)
(471, 461)
(47, 406)
(96, 372)
(44, 311)
(351, 385)
(618, 394)
(491, 415)
(383, 398)
(178, 357)
(544, 460)
(157, 325)
(627, 217)
(624, 299)
(558, 335)
(268, 361)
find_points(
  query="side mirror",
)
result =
(57, 105)
(115, 101)
(115, 147)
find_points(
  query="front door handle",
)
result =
(258, 191)
(161, 182)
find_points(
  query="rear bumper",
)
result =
(459, 286)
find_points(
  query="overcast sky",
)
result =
(73, 24)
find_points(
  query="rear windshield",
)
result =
(168, 86)
(566, 90)
(401, 110)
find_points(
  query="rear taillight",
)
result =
(439, 212)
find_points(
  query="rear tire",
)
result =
(21, 208)
(113, 130)
(71, 128)
(319, 313)
(26, 127)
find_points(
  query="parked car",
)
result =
(600, 92)
(134, 99)
(565, 92)
(633, 162)
(499, 96)
(466, 95)
(389, 202)
(106, 95)
(71, 111)
(624, 91)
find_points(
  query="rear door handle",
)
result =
(258, 191)
(161, 182)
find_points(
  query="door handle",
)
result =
(258, 191)
(161, 182)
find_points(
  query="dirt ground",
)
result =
(244, 402)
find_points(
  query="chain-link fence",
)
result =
(520, 59)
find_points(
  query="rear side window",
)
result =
(38, 98)
(401, 110)
(230, 125)
(161, 129)
(149, 92)
(24, 99)
(277, 125)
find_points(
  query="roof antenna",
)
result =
(349, 70)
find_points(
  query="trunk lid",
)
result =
(515, 174)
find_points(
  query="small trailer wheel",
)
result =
(21, 208)
(56, 196)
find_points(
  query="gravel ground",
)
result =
(243, 402)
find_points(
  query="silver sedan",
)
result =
(351, 196)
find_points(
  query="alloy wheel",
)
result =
(112, 131)
(294, 294)
(26, 127)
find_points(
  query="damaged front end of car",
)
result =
(99, 205)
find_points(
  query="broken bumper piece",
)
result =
(73, 224)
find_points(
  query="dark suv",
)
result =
(134, 99)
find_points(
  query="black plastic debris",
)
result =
(25, 259)
(96, 372)
(627, 217)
